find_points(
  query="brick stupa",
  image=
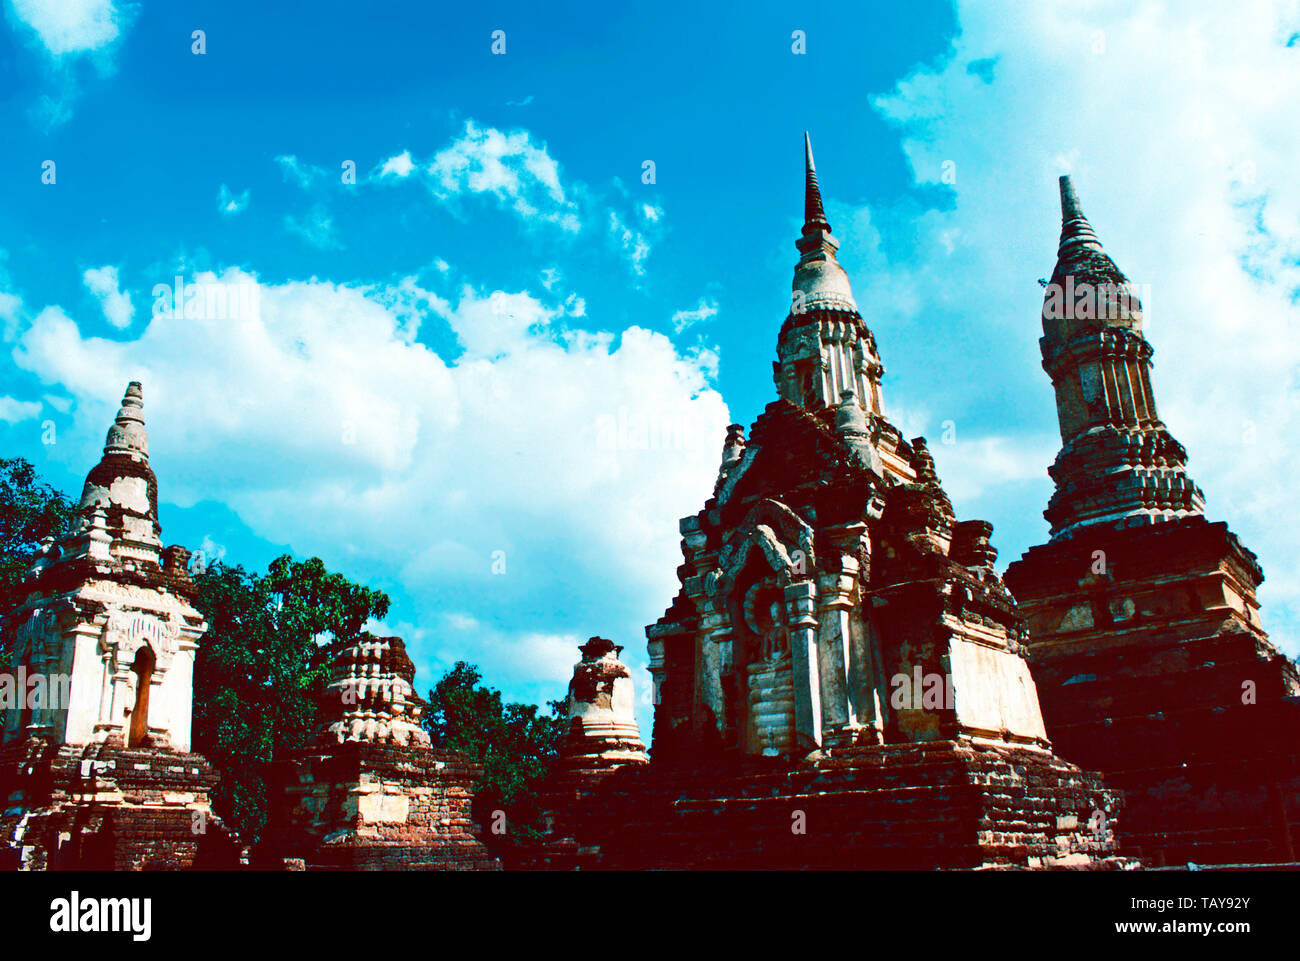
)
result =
(98, 771)
(1151, 661)
(370, 793)
(841, 681)
(602, 737)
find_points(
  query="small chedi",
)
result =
(96, 769)
(602, 736)
(1145, 633)
(841, 680)
(370, 793)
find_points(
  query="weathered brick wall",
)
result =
(942, 804)
(1158, 674)
(102, 807)
(374, 806)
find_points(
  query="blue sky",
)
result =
(500, 339)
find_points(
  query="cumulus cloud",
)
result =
(316, 227)
(1191, 187)
(399, 166)
(511, 167)
(65, 33)
(298, 172)
(542, 472)
(116, 303)
(69, 26)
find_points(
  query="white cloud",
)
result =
(230, 203)
(399, 166)
(511, 167)
(561, 448)
(516, 171)
(209, 552)
(685, 318)
(65, 32)
(12, 411)
(70, 26)
(633, 243)
(1177, 122)
(116, 303)
(969, 467)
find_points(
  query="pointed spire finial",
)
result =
(1070, 209)
(1076, 232)
(819, 280)
(128, 434)
(813, 213)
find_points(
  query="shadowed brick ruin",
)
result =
(1147, 647)
(841, 680)
(370, 793)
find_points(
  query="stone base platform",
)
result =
(1157, 671)
(916, 806)
(103, 807)
(371, 806)
(1207, 779)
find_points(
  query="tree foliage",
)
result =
(30, 510)
(262, 667)
(511, 741)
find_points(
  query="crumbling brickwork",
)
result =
(919, 806)
(370, 793)
(1157, 672)
(103, 807)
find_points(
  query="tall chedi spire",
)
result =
(1147, 645)
(825, 348)
(835, 619)
(100, 773)
(1118, 463)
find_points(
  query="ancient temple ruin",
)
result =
(1151, 661)
(369, 793)
(602, 737)
(841, 680)
(97, 771)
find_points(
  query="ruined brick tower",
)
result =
(369, 793)
(1146, 642)
(841, 650)
(98, 772)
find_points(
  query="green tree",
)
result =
(30, 510)
(262, 668)
(512, 742)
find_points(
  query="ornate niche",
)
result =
(765, 581)
(138, 649)
(769, 681)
